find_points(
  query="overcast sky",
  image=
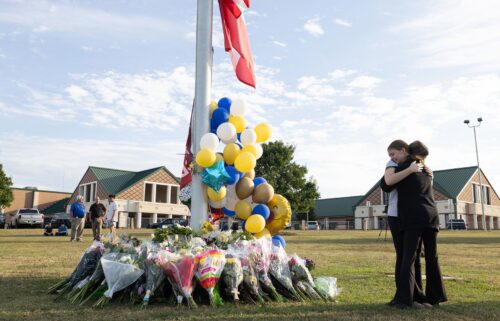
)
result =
(111, 83)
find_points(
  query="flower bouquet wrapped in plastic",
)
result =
(280, 272)
(232, 275)
(179, 270)
(209, 266)
(327, 287)
(250, 280)
(259, 252)
(153, 272)
(302, 278)
(119, 273)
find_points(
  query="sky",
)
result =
(111, 84)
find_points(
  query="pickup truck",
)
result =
(27, 217)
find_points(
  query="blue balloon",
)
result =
(243, 225)
(234, 175)
(225, 103)
(238, 135)
(258, 180)
(219, 116)
(262, 210)
(228, 212)
(278, 240)
(215, 176)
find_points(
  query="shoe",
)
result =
(72, 240)
(401, 306)
(426, 305)
(417, 305)
(78, 240)
(391, 303)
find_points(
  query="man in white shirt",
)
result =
(112, 216)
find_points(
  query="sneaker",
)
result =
(417, 305)
(78, 240)
(401, 306)
(72, 240)
(426, 305)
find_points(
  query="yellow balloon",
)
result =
(238, 122)
(219, 157)
(213, 106)
(264, 233)
(216, 196)
(205, 158)
(245, 162)
(263, 132)
(255, 223)
(282, 214)
(231, 151)
(250, 148)
(243, 209)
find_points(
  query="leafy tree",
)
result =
(6, 196)
(287, 177)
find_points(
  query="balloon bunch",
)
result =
(229, 175)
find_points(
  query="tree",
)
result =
(6, 196)
(287, 177)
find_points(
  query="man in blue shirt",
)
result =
(77, 211)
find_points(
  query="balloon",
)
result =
(234, 175)
(263, 132)
(282, 212)
(228, 212)
(215, 176)
(219, 116)
(278, 241)
(259, 149)
(231, 151)
(248, 137)
(238, 122)
(243, 209)
(226, 131)
(231, 197)
(225, 102)
(216, 196)
(259, 180)
(229, 141)
(264, 233)
(251, 149)
(243, 226)
(219, 157)
(245, 162)
(219, 204)
(244, 188)
(255, 223)
(213, 106)
(263, 193)
(250, 174)
(238, 107)
(209, 141)
(262, 210)
(205, 158)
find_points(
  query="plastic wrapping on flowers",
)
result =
(209, 266)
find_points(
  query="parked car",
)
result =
(313, 225)
(456, 224)
(56, 221)
(169, 222)
(27, 217)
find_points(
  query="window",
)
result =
(161, 193)
(88, 191)
(174, 192)
(476, 193)
(148, 193)
(486, 194)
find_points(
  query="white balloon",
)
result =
(231, 197)
(248, 137)
(226, 131)
(219, 204)
(209, 141)
(260, 151)
(238, 107)
(232, 140)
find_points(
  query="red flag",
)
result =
(236, 39)
(186, 176)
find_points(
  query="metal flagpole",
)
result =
(203, 85)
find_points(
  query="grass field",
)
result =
(30, 263)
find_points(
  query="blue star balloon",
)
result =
(215, 176)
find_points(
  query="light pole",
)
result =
(481, 193)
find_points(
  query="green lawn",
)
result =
(30, 263)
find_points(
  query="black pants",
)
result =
(434, 285)
(398, 240)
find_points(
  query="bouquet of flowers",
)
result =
(232, 275)
(327, 287)
(179, 270)
(153, 272)
(250, 279)
(302, 278)
(209, 266)
(280, 272)
(259, 251)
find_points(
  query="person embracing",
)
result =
(77, 211)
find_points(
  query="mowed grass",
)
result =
(362, 263)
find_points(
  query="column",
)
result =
(375, 222)
(327, 224)
(490, 226)
(474, 221)
(155, 217)
(138, 219)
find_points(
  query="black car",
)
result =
(169, 222)
(456, 224)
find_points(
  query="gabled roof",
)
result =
(114, 180)
(57, 207)
(452, 181)
(336, 207)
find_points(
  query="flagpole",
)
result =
(203, 85)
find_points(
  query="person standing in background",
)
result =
(77, 211)
(112, 216)
(97, 212)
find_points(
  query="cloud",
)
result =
(453, 34)
(313, 27)
(279, 43)
(365, 82)
(342, 23)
